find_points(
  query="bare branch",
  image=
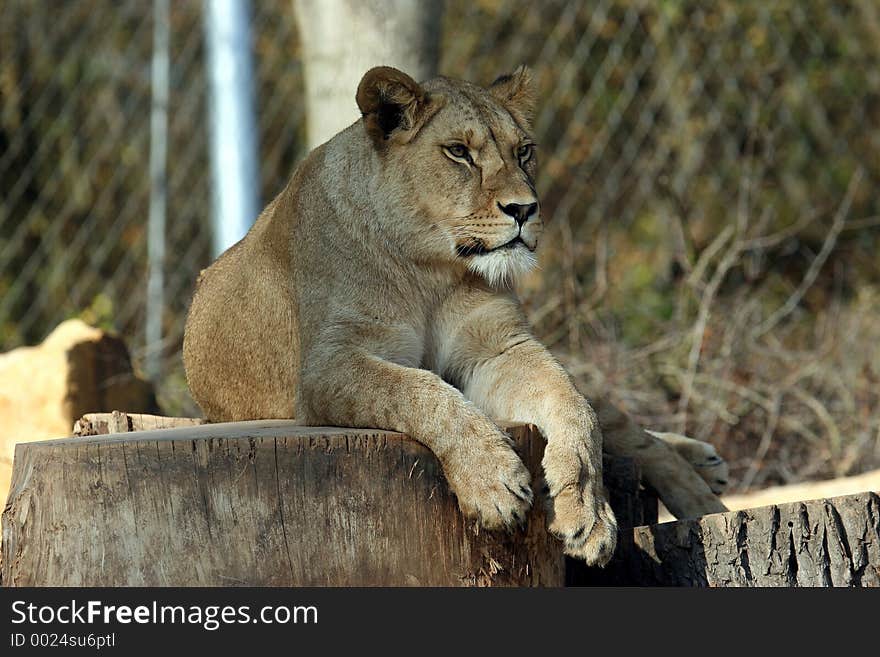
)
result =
(816, 266)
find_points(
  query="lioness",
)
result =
(374, 291)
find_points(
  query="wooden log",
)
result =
(632, 503)
(805, 490)
(99, 424)
(830, 542)
(259, 503)
(800, 492)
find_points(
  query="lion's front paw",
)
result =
(702, 456)
(584, 523)
(491, 484)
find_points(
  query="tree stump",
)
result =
(264, 503)
(830, 542)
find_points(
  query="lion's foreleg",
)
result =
(358, 389)
(524, 383)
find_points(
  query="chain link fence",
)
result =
(710, 170)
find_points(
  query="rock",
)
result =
(44, 389)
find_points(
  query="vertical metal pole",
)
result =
(234, 168)
(158, 191)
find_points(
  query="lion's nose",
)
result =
(519, 212)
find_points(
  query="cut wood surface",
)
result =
(264, 503)
(829, 542)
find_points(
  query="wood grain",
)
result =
(819, 543)
(264, 503)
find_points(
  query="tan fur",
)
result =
(370, 293)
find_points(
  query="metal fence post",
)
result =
(233, 126)
(158, 191)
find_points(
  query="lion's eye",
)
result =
(459, 151)
(524, 153)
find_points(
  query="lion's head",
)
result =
(462, 162)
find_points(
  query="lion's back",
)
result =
(240, 344)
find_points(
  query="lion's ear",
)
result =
(516, 91)
(390, 100)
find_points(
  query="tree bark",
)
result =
(830, 542)
(342, 39)
(263, 503)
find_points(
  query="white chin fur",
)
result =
(504, 266)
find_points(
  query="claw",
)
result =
(520, 496)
